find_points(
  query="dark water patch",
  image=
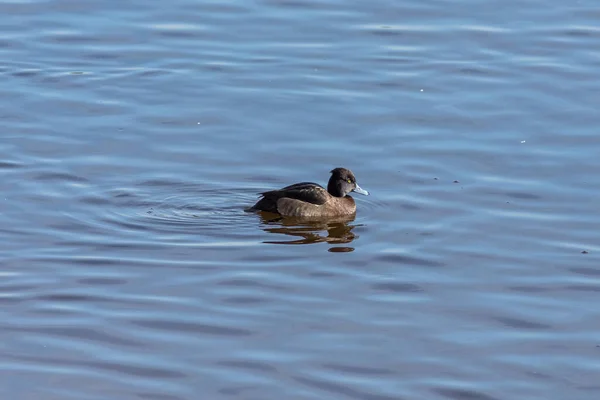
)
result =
(521, 323)
(529, 289)
(78, 333)
(8, 288)
(152, 73)
(193, 327)
(385, 31)
(301, 5)
(472, 71)
(47, 312)
(10, 165)
(168, 183)
(129, 369)
(464, 394)
(357, 370)
(75, 298)
(339, 389)
(138, 370)
(323, 274)
(121, 194)
(583, 288)
(394, 84)
(59, 176)
(14, 232)
(410, 207)
(78, 38)
(245, 300)
(398, 287)
(589, 388)
(523, 196)
(180, 33)
(9, 300)
(101, 55)
(158, 396)
(250, 283)
(99, 281)
(235, 391)
(79, 260)
(408, 260)
(582, 32)
(95, 200)
(591, 272)
(248, 365)
(121, 245)
(26, 73)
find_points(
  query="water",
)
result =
(135, 133)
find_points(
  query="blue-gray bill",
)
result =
(360, 190)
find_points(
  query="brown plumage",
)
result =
(308, 199)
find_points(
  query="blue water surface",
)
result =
(134, 134)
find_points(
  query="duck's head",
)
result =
(342, 182)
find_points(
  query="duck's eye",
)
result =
(349, 180)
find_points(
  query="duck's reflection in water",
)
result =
(304, 231)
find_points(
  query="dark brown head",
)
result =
(342, 182)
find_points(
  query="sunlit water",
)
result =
(134, 135)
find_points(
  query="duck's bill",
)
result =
(360, 190)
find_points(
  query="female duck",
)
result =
(309, 199)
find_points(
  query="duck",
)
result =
(308, 199)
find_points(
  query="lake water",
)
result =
(135, 133)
